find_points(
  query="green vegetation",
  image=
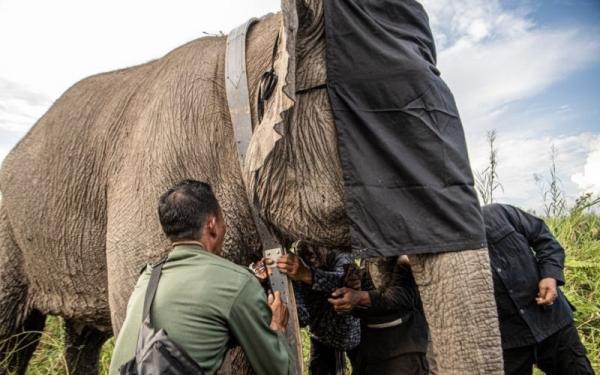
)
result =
(578, 231)
(49, 356)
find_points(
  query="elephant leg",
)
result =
(17, 349)
(82, 347)
(20, 325)
(458, 298)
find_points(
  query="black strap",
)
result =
(151, 289)
(267, 83)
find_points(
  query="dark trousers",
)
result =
(324, 359)
(404, 364)
(560, 354)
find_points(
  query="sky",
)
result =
(528, 69)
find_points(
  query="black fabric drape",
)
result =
(408, 182)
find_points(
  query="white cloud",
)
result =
(520, 155)
(473, 20)
(589, 178)
(3, 152)
(494, 58)
(488, 75)
(20, 107)
(49, 45)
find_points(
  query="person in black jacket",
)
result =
(394, 333)
(316, 272)
(536, 320)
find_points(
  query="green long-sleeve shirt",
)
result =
(204, 302)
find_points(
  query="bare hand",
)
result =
(279, 312)
(353, 282)
(295, 268)
(352, 276)
(547, 293)
(345, 300)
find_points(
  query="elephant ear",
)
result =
(279, 107)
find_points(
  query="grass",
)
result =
(578, 232)
(580, 235)
(49, 356)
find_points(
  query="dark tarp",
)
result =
(408, 182)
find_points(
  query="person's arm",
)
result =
(250, 322)
(318, 279)
(400, 295)
(294, 267)
(549, 253)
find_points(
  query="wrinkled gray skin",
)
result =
(78, 212)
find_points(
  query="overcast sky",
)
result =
(530, 69)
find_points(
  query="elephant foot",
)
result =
(82, 348)
(458, 298)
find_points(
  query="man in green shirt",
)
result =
(205, 302)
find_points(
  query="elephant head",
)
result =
(293, 170)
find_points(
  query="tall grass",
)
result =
(579, 233)
(49, 357)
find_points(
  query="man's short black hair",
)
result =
(184, 209)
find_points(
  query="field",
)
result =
(579, 232)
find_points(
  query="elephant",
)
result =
(78, 218)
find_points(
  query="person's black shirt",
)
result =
(395, 298)
(522, 252)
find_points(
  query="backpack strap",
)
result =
(151, 289)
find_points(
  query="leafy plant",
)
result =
(552, 193)
(486, 180)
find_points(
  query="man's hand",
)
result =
(280, 313)
(352, 276)
(295, 268)
(345, 300)
(548, 292)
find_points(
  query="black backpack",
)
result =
(156, 353)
